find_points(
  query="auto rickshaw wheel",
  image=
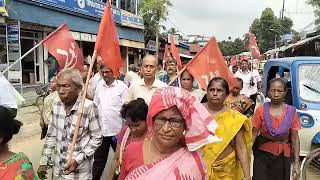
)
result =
(311, 166)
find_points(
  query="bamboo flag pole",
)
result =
(178, 75)
(179, 80)
(32, 49)
(84, 94)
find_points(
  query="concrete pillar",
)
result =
(45, 56)
(127, 59)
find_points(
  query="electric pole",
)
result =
(282, 14)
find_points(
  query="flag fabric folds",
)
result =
(175, 52)
(166, 55)
(64, 48)
(255, 52)
(210, 63)
(107, 44)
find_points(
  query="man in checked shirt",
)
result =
(61, 129)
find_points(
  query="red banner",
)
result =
(209, 63)
(64, 48)
(166, 55)
(107, 44)
(234, 61)
(175, 52)
(253, 46)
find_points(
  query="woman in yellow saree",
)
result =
(229, 159)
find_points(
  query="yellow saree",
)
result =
(229, 168)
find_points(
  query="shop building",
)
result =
(26, 22)
(183, 48)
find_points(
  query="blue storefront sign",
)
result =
(13, 36)
(91, 8)
(14, 51)
(117, 15)
(131, 20)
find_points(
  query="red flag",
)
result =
(107, 44)
(209, 63)
(234, 61)
(63, 47)
(243, 58)
(175, 52)
(253, 46)
(166, 55)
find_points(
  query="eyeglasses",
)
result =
(175, 123)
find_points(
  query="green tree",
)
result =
(268, 27)
(153, 13)
(229, 47)
(239, 46)
(316, 5)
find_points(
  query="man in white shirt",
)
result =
(8, 96)
(251, 80)
(108, 97)
(94, 81)
(131, 75)
(145, 87)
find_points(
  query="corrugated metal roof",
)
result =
(300, 43)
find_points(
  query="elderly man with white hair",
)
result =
(61, 130)
(144, 88)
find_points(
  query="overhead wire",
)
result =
(179, 29)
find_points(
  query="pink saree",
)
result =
(181, 165)
(184, 164)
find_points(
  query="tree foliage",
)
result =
(316, 5)
(268, 27)
(153, 12)
(229, 47)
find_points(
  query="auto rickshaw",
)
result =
(302, 75)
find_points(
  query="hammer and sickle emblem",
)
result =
(72, 62)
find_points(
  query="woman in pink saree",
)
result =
(179, 126)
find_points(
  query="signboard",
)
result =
(14, 51)
(86, 7)
(131, 20)
(117, 15)
(152, 45)
(76, 35)
(84, 36)
(91, 8)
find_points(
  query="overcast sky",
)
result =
(224, 18)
